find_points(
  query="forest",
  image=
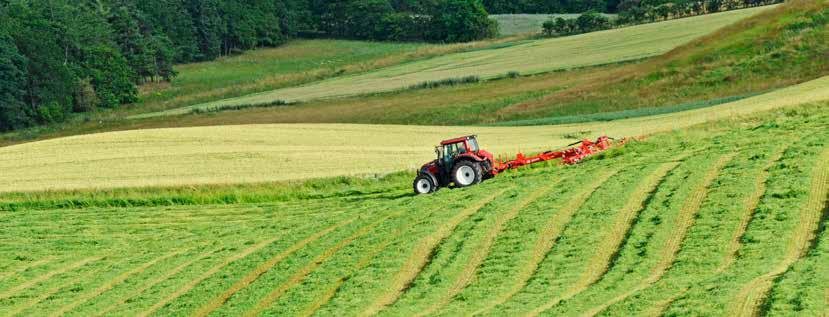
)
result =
(59, 57)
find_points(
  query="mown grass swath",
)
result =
(457, 251)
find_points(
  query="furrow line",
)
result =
(10, 292)
(544, 242)
(155, 282)
(600, 262)
(329, 294)
(752, 295)
(109, 285)
(25, 267)
(51, 292)
(420, 257)
(250, 277)
(316, 262)
(734, 246)
(683, 222)
(751, 207)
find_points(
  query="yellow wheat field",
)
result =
(276, 152)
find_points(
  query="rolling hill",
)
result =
(718, 205)
(531, 57)
(262, 153)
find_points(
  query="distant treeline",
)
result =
(607, 6)
(59, 57)
(644, 11)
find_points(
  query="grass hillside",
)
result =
(511, 24)
(724, 215)
(262, 153)
(775, 49)
(530, 57)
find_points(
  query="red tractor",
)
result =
(461, 162)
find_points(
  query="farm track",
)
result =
(545, 241)
(25, 285)
(683, 222)
(752, 295)
(420, 257)
(600, 262)
(155, 282)
(114, 282)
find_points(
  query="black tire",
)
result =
(424, 184)
(466, 173)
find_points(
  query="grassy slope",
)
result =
(294, 63)
(511, 24)
(261, 153)
(532, 57)
(758, 55)
(486, 244)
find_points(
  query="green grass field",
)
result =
(529, 57)
(295, 63)
(718, 205)
(262, 153)
(511, 24)
(727, 214)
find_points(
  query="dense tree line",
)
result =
(59, 57)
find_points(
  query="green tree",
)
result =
(461, 21)
(12, 85)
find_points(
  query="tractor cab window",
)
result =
(473, 144)
(452, 150)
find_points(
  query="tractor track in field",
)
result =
(751, 208)
(156, 281)
(10, 292)
(466, 275)
(332, 291)
(602, 260)
(220, 300)
(316, 262)
(753, 294)
(684, 221)
(421, 257)
(43, 295)
(264, 267)
(114, 282)
(547, 238)
(751, 204)
(25, 267)
(155, 218)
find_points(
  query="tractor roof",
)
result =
(456, 140)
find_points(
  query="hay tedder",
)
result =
(460, 162)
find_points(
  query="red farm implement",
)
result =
(460, 162)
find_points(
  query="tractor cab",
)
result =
(449, 150)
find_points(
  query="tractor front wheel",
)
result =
(423, 184)
(466, 173)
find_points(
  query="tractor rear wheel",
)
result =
(466, 173)
(423, 184)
